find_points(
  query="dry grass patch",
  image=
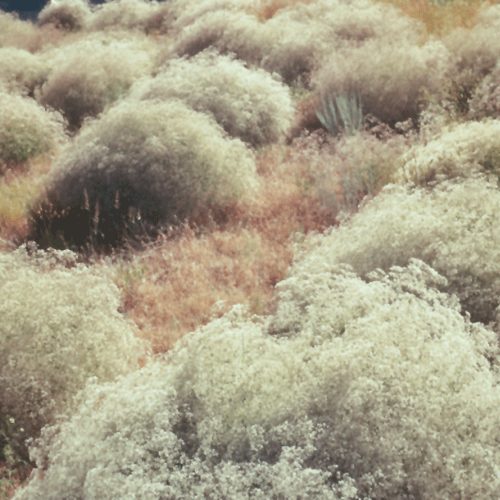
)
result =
(268, 8)
(439, 17)
(181, 282)
(179, 285)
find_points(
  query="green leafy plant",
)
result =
(341, 114)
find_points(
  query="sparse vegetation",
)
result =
(287, 272)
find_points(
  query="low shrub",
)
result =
(141, 166)
(20, 71)
(463, 150)
(59, 326)
(228, 32)
(327, 26)
(354, 399)
(17, 33)
(247, 103)
(393, 83)
(453, 228)
(68, 15)
(475, 53)
(186, 12)
(347, 169)
(140, 15)
(88, 75)
(485, 100)
(26, 130)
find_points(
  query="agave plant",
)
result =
(341, 114)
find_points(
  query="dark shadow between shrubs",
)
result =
(122, 227)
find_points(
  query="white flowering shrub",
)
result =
(247, 103)
(374, 388)
(26, 130)
(228, 32)
(462, 150)
(475, 53)
(142, 165)
(20, 71)
(453, 228)
(59, 326)
(392, 82)
(301, 35)
(17, 33)
(140, 15)
(69, 15)
(485, 100)
(185, 12)
(90, 74)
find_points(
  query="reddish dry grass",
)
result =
(269, 8)
(180, 283)
(441, 19)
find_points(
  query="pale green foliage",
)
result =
(341, 114)
(453, 228)
(26, 130)
(375, 388)
(88, 75)
(462, 150)
(20, 70)
(145, 162)
(59, 326)
(393, 82)
(70, 15)
(247, 103)
(299, 37)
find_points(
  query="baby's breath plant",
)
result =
(367, 388)
(453, 228)
(90, 74)
(129, 15)
(392, 82)
(485, 100)
(462, 150)
(247, 103)
(17, 33)
(69, 15)
(59, 326)
(141, 166)
(228, 32)
(26, 130)
(20, 71)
